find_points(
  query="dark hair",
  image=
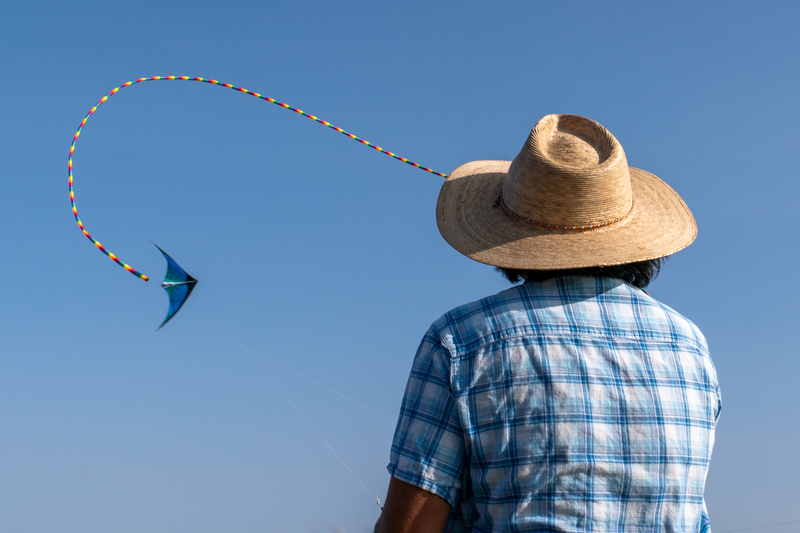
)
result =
(637, 274)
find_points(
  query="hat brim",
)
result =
(660, 224)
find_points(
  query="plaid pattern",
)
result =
(576, 404)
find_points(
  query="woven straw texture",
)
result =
(571, 173)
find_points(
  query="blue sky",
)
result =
(321, 257)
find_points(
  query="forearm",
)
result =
(410, 509)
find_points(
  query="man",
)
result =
(572, 402)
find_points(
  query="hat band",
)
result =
(500, 202)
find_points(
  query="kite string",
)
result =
(213, 82)
(298, 411)
(761, 527)
(310, 380)
(317, 383)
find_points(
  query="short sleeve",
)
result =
(428, 445)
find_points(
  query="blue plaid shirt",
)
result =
(575, 404)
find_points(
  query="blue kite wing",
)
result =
(174, 270)
(178, 284)
(177, 297)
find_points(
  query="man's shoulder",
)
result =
(480, 309)
(490, 318)
(678, 326)
(564, 306)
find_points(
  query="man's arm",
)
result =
(410, 509)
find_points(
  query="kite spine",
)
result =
(213, 82)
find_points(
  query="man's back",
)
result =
(574, 404)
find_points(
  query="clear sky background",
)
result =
(321, 257)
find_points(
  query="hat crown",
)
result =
(570, 172)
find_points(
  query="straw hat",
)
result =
(568, 200)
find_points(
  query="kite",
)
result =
(181, 286)
(178, 284)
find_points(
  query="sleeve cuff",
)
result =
(423, 480)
